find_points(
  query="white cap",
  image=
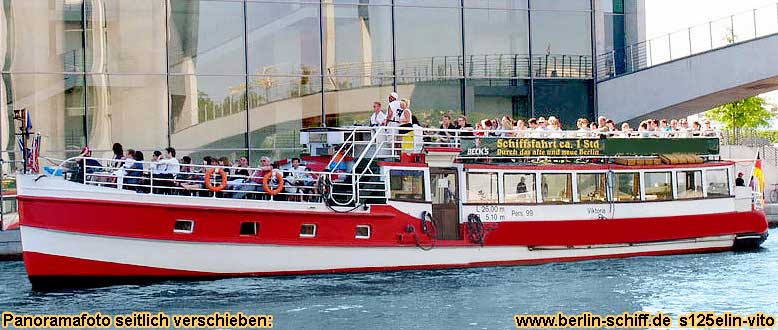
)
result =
(394, 95)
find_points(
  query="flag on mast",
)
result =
(757, 182)
(29, 122)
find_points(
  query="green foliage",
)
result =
(771, 135)
(746, 113)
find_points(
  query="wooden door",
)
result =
(445, 202)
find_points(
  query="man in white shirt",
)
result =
(378, 118)
(170, 165)
(392, 109)
(168, 168)
(297, 170)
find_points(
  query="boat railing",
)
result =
(331, 187)
(390, 142)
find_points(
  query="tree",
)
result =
(751, 112)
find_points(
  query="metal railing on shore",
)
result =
(714, 34)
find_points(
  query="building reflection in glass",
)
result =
(243, 77)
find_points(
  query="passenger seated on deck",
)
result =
(197, 179)
(291, 189)
(84, 165)
(225, 163)
(240, 176)
(121, 166)
(254, 181)
(187, 175)
(242, 167)
(133, 177)
(446, 138)
(307, 181)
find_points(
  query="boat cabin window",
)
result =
(482, 188)
(718, 182)
(183, 226)
(659, 186)
(308, 230)
(406, 185)
(689, 184)
(249, 228)
(556, 188)
(626, 187)
(363, 231)
(592, 187)
(519, 188)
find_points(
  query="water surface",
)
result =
(475, 298)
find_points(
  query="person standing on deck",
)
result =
(378, 117)
(392, 108)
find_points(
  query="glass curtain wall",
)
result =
(611, 38)
(222, 78)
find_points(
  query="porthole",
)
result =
(183, 226)
(363, 231)
(308, 230)
(249, 228)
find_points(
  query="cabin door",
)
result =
(445, 202)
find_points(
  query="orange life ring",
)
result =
(209, 174)
(266, 180)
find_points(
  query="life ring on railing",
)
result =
(266, 181)
(209, 173)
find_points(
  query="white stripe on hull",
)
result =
(254, 258)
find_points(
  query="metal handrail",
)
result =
(715, 34)
(191, 181)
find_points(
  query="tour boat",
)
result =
(385, 199)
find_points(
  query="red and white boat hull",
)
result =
(107, 234)
(58, 253)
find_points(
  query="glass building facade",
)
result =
(231, 77)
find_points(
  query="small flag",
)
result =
(29, 122)
(35, 150)
(758, 174)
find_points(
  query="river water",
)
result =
(476, 298)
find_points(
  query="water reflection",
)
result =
(443, 299)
